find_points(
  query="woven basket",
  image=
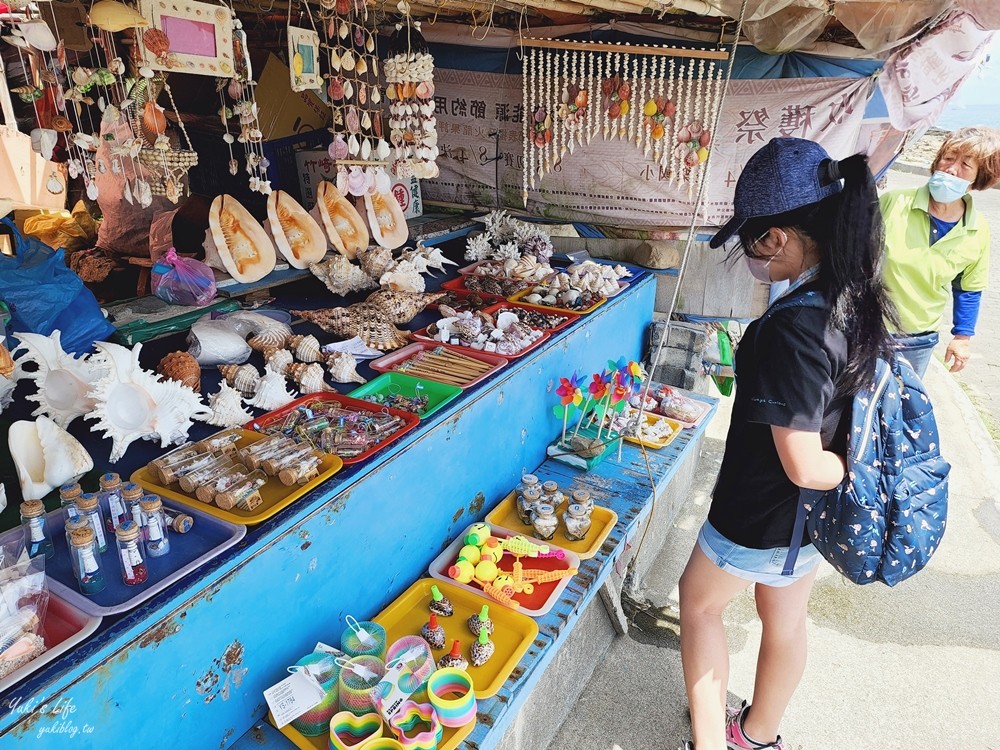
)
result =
(154, 159)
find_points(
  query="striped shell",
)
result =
(273, 337)
(375, 260)
(278, 360)
(183, 368)
(309, 378)
(399, 306)
(243, 378)
(305, 348)
(156, 41)
(358, 320)
(342, 368)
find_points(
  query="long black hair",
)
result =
(847, 228)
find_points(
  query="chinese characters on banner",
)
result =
(481, 120)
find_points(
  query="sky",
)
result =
(984, 85)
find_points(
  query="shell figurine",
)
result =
(227, 408)
(341, 276)
(278, 359)
(243, 378)
(271, 392)
(400, 307)
(305, 348)
(342, 368)
(309, 377)
(183, 368)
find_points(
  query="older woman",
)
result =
(938, 246)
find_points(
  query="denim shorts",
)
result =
(757, 565)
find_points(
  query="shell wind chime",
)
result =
(660, 99)
(409, 76)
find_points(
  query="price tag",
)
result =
(325, 649)
(292, 697)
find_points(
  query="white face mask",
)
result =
(760, 268)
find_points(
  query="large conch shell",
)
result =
(305, 348)
(401, 307)
(243, 378)
(342, 368)
(183, 368)
(45, 456)
(296, 234)
(133, 404)
(386, 220)
(341, 276)
(375, 261)
(278, 359)
(227, 408)
(341, 221)
(358, 320)
(271, 393)
(216, 342)
(236, 242)
(403, 277)
(110, 15)
(309, 377)
(63, 381)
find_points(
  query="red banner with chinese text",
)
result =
(480, 126)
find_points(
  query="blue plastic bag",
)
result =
(43, 294)
(182, 281)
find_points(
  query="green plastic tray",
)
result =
(438, 394)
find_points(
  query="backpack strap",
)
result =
(797, 528)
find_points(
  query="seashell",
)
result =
(227, 408)
(309, 377)
(243, 378)
(7, 388)
(62, 381)
(236, 242)
(341, 276)
(305, 348)
(153, 118)
(386, 220)
(342, 368)
(338, 148)
(353, 146)
(214, 342)
(111, 15)
(271, 392)
(43, 141)
(157, 42)
(61, 124)
(272, 337)
(358, 320)
(278, 360)
(6, 362)
(433, 257)
(357, 182)
(375, 260)
(400, 307)
(340, 220)
(45, 456)
(133, 404)
(296, 234)
(183, 368)
(403, 277)
(347, 60)
(38, 34)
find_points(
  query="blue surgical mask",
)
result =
(760, 268)
(946, 188)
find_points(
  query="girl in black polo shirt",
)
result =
(804, 218)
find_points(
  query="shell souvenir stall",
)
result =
(318, 428)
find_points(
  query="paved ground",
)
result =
(910, 668)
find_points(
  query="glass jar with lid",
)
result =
(544, 521)
(577, 522)
(154, 526)
(131, 553)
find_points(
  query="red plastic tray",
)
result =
(458, 285)
(571, 317)
(386, 363)
(421, 335)
(410, 420)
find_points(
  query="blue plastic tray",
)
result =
(207, 538)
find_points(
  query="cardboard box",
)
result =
(283, 112)
(316, 165)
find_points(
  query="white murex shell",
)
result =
(45, 456)
(271, 392)
(279, 360)
(403, 278)
(134, 404)
(227, 408)
(63, 381)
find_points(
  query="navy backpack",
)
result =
(886, 519)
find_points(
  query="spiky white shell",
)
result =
(7, 386)
(341, 276)
(343, 368)
(227, 408)
(63, 381)
(403, 278)
(45, 456)
(271, 392)
(134, 404)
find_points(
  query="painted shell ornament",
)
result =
(45, 456)
(157, 42)
(342, 368)
(296, 234)
(236, 242)
(133, 404)
(309, 377)
(271, 392)
(227, 408)
(386, 220)
(243, 378)
(400, 307)
(340, 220)
(305, 348)
(183, 368)
(341, 276)
(63, 381)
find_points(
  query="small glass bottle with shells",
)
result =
(86, 561)
(90, 510)
(544, 521)
(577, 522)
(36, 533)
(112, 503)
(154, 526)
(131, 553)
(526, 503)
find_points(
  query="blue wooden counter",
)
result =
(189, 667)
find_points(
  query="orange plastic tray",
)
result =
(519, 299)
(651, 419)
(449, 740)
(602, 521)
(275, 495)
(512, 635)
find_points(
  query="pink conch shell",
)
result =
(357, 182)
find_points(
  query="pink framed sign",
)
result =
(200, 37)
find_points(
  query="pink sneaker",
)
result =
(737, 740)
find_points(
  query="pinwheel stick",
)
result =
(583, 413)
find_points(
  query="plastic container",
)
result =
(518, 298)
(571, 317)
(657, 444)
(390, 361)
(422, 335)
(389, 383)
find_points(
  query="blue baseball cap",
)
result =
(786, 174)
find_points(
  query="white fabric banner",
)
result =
(480, 124)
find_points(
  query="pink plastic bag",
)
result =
(182, 281)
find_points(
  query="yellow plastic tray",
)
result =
(512, 635)
(449, 740)
(518, 298)
(275, 495)
(602, 521)
(650, 419)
